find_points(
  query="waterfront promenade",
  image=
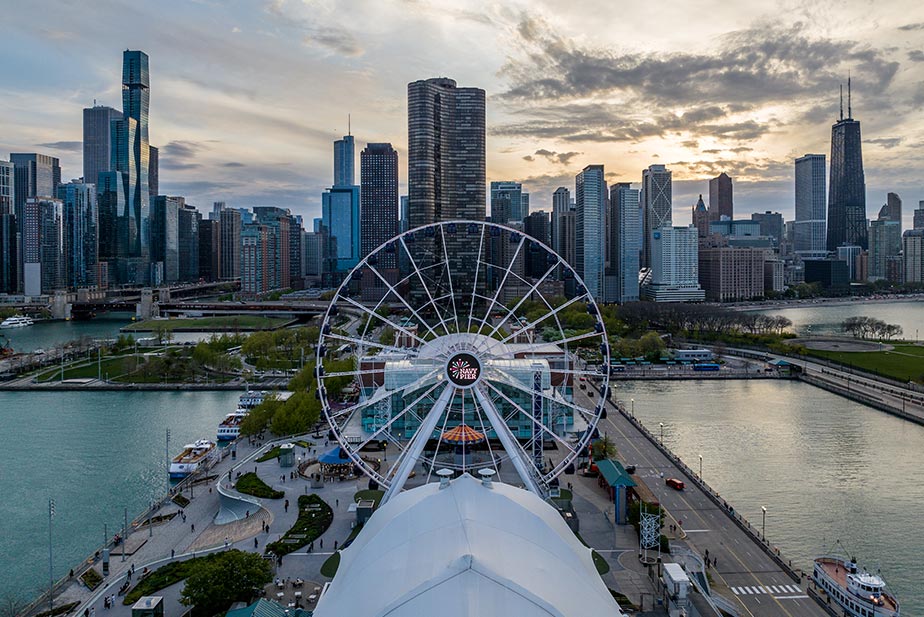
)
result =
(745, 574)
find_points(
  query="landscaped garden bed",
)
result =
(251, 484)
(314, 517)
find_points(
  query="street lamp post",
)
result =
(662, 432)
(700, 466)
(633, 408)
(763, 532)
(51, 576)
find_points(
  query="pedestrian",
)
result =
(335, 545)
(322, 542)
(86, 611)
(192, 527)
(172, 553)
(338, 503)
(255, 543)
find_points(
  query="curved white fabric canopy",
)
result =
(465, 550)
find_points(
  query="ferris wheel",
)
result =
(449, 348)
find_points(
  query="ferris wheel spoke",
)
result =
(551, 313)
(484, 431)
(368, 343)
(516, 453)
(410, 456)
(393, 291)
(375, 315)
(538, 423)
(478, 263)
(396, 417)
(422, 282)
(523, 299)
(452, 293)
(383, 394)
(503, 282)
(586, 413)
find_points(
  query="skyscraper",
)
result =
(446, 152)
(918, 222)
(36, 175)
(10, 256)
(720, 197)
(97, 141)
(188, 243)
(536, 225)
(403, 226)
(81, 248)
(256, 260)
(590, 227)
(43, 246)
(810, 240)
(771, 225)
(344, 161)
(701, 217)
(623, 244)
(674, 265)
(230, 227)
(892, 209)
(885, 244)
(278, 222)
(209, 249)
(913, 248)
(131, 157)
(506, 202)
(656, 205)
(561, 203)
(153, 171)
(165, 236)
(378, 195)
(847, 186)
(340, 216)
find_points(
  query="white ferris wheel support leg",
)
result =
(412, 453)
(510, 444)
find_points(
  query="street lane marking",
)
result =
(800, 597)
(756, 590)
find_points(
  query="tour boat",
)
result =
(192, 456)
(858, 592)
(229, 429)
(17, 321)
(251, 399)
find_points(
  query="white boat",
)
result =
(858, 592)
(229, 429)
(17, 321)
(192, 457)
(251, 399)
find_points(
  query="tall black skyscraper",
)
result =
(378, 198)
(847, 185)
(97, 141)
(446, 160)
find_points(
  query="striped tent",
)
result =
(462, 435)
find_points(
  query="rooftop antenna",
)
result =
(349, 128)
(842, 101)
(849, 111)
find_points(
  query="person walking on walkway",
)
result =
(255, 543)
(286, 506)
(192, 528)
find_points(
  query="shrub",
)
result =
(314, 517)
(251, 484)
(91, 578)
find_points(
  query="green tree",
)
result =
(651, 345)
(603, 448)
(260, 416)
(296, 415)
(214, 585)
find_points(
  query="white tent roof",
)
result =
(466, 550)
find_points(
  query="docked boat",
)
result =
(17, 321)
(858, 592)
(229, 429)
(192, 457)
(251, 399)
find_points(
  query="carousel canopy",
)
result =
(335, 456)
(462, 435)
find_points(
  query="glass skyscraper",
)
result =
(97, 141)
(378, 195)
(624, 243)
(344, 161)
(810, 240)
(847, 186)
(590, 227)
(81, 233)
(657, 199)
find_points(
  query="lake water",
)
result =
(826, 468)
(94, 453)
(822, 319)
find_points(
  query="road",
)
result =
(745, 574)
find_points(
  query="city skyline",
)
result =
(750, 118)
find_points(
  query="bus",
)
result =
(705, 366)
(675, 484)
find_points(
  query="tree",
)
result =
(603, 448)
(232, 577)
(651, 345)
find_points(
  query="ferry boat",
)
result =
(229, 429)
(251, 399)
(17, 321)
(858, 592)
(192, 457)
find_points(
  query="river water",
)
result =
(825, 319)
(826, 468)
(94, 453)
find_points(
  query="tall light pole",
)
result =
(633, 407)
(51, 576)
(763, 532)
(700, 466)
(662, 432)
(124, 534)
(167, 459)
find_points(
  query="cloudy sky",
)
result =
(247, 96)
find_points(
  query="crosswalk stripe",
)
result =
(754, 590)
(775, 589)
(795, 589)
(735, 591)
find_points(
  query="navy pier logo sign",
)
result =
(463, 370)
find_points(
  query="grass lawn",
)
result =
(112, 366)
(166, 575)
(229, 323)
(330, 565)
(375, 496)
(314, 517)
(251, 484)
(904, 363)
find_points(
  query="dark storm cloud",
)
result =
(67, 146)
(753, 66)
(181, 149)
(562, 158)
(916, 55)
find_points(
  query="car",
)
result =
(630, 469)
(675, 484)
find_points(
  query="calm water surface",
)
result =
(826, 319)
(94, 453)
(826, 468)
